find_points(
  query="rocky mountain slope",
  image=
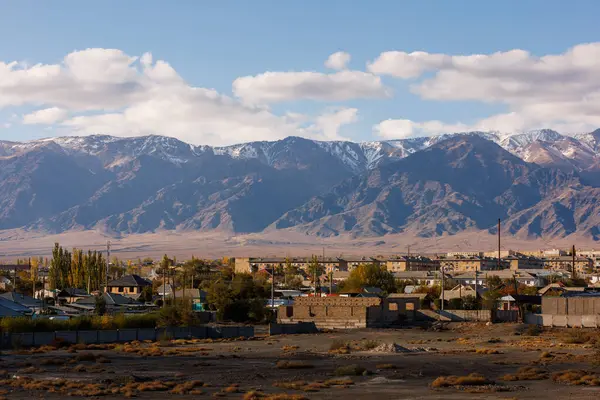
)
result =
(542, 183)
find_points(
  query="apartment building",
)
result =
(410, 263)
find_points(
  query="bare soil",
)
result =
(232, 368)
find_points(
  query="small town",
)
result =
(358, 310)
(309, 200)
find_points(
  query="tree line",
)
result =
(76, 269)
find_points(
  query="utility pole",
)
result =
(442, 302)
(164, 270)
(574, 271)
(33, 277)
(408, 258)
(498, 243)
(273, 286)
(107, 265)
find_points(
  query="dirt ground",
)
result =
(253, 369)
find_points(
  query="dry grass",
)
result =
(86, 357)
(385, 366)
(290, 348)
(527, 374)
(487, 351)
(186, 387)
(305, 386)
(473, 379)
(290, 364)
(31, 370)
(79, 368)
(351, 370)
(345, 347)
(233, 388)
(52, 361)
(576, 377)
(258, 395)
(582, 337)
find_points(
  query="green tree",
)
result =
(372, 275)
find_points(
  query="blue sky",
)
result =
(211, 44)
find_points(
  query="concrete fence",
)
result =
(292, 329)
(455, 315)
(567, 321)
(28, 339)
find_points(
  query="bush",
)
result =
(526, 374)
(285, 364)
(576, 377)
(23, 324)
(351, 370)
(473, 379)
(582, 337)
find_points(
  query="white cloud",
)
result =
(46, 116)
(405, 128)
(338, 60)
(272, 87)
(559, 91)
(330, 123)
(107, 91)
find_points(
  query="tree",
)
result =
(372, 275)
(100, 306)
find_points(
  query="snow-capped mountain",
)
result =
(141, 184)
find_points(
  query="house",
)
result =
(14, 308)
(422, 278)
(527, 278)
(24, 300)
(114, 303)
(558, 289)
(5, 283)
(462, 291)
(128, 285)
(511, 302)
(197, 296)
(349, 312)
(71, 295)
(348, 264)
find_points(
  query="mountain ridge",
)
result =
(429, 186)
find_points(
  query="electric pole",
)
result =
(573, 272)
(498, 243)
(107, 265)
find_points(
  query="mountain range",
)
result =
(541, 184)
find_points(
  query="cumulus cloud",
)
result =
(405, 128)
(46, 116)
(338, 60)
(330, 122)
(273, 87)
(559, 91)
(108, 91)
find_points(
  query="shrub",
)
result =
(473, 379)
(576, 377)
(526, 374)
(582, 337)
(285, 364)
(351, 370)
(385, 366)
(487, 351)
(533, 330)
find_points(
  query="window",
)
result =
(131, 289)
(120, 289)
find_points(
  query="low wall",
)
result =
(455, 315)
(292, 329)
(566, 321)
(28, 339)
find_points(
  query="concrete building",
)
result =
(471, 263)
(582, 264)
(594, 255)
(523, 277)
(412, 263)
(521, 262)
(503, 253)
(464, 254)
(349, 312)
(253, 264)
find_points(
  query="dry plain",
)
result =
(509, 366)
